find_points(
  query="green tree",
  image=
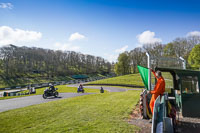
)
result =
(194, 57)
(117, 69)
(122, 67)
(169, 50)
(24, 61)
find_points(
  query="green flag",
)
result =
(144, 73)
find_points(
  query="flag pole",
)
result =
(149, 66)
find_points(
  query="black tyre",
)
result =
(141, 105)
(56, 94)
(144, 105)
(44, 96)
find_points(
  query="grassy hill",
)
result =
(92, 113)
(20, 80)
(131, 79)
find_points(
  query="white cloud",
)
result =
(9, 35)
(69, 46)
(148, 37)
(6, 5)
(194, 33)
(114, 55)
(111, 57)
(76, 36)
(121, 50)
(66, 46)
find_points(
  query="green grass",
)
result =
(135, 79)
(114, 86)
(32, 79)
(131, 79)
(24, 79)
(61, 89)
(104, 113)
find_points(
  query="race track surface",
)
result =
(14, 103)
(108, 88)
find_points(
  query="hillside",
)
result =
(37, 79)
(22, 65)
(131, 79)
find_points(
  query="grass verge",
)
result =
(92, 113)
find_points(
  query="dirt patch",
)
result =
(184, 124)
(136, 119)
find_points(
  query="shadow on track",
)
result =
(53, 97)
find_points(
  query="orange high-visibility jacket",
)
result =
(160, 86)
(158, 89)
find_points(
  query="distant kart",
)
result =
(80, 90)
(101, 90)
(49, 93)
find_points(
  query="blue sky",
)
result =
(98, 27)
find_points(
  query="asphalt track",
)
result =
(15, 103)
(108, 88)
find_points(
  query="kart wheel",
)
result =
(56, 94)
(44, 96)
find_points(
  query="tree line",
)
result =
(187, 47)
(20, 61)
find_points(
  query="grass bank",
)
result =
(24, 79)
(92, 113)
(131, 79)
(30, 79)
(85, 85)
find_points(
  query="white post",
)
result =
(149, 66)
(184, 62)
